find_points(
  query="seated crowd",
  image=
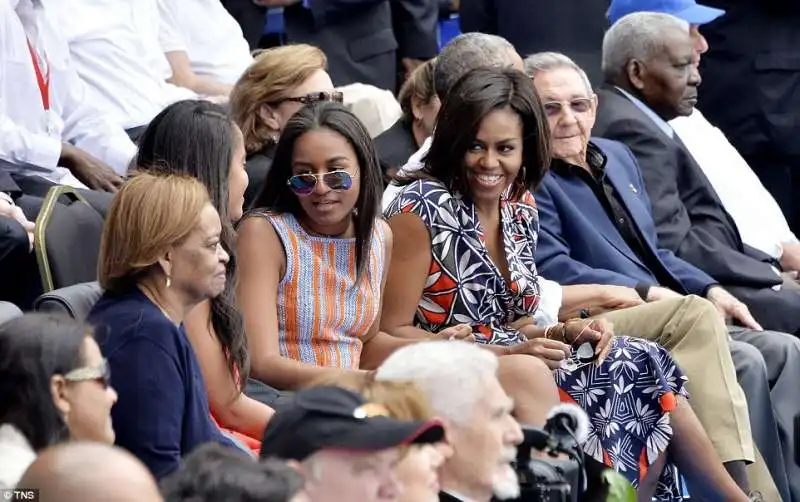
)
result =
(293, 308)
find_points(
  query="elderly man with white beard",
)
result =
(461, 382)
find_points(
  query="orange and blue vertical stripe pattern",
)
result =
(324, 309)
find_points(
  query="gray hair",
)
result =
(546, 61)
(453, 374)
(636, 36)
(466, 52)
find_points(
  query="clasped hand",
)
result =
(557, 347)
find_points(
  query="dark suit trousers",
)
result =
(251, 18)
(38, 187)
(768, 369)
(774, 310)
(19, 273)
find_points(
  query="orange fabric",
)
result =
(668, 402)
(643, 465)
(252, 443)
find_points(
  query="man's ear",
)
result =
(636, 73)
(450, 433)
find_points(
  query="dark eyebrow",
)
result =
(335, 158)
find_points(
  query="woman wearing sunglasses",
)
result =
(278, 83)
(54, 387)
(312, 262)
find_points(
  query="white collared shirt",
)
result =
(115, 47)
(208, 34)
(758, 217)
(30, 138)
(551, 294)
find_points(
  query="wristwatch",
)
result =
(7, 198)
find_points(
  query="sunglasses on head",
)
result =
(303, 184)
(316, 97)
(100, 373)
(578, 106)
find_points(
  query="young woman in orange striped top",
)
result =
(313, 258)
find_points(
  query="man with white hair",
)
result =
(461, 382)
(650, 79)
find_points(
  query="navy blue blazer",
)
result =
(578, 242)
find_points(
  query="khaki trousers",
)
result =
(692, 331)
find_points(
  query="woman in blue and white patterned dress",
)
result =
(469, 228)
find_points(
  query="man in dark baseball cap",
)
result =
(345, 446)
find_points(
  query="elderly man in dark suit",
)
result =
(650, 78)
(597, 227)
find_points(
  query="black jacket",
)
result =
(574, 27)
(690, 219)
(396, 145)
(257, 166)
(359, 38)
(751, 76)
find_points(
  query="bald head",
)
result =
(469, 51)
(90, 472)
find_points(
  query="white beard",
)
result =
(505, 484)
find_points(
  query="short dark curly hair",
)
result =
(214, 472)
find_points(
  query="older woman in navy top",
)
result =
(160, 256)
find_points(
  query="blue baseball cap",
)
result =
(688, 10)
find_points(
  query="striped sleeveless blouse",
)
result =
(324, 309)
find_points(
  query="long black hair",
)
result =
(196, 137)
(475, 95)
(33, 349)
(333, 116)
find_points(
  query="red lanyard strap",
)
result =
(43, 80)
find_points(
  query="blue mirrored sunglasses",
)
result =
(303, 184)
